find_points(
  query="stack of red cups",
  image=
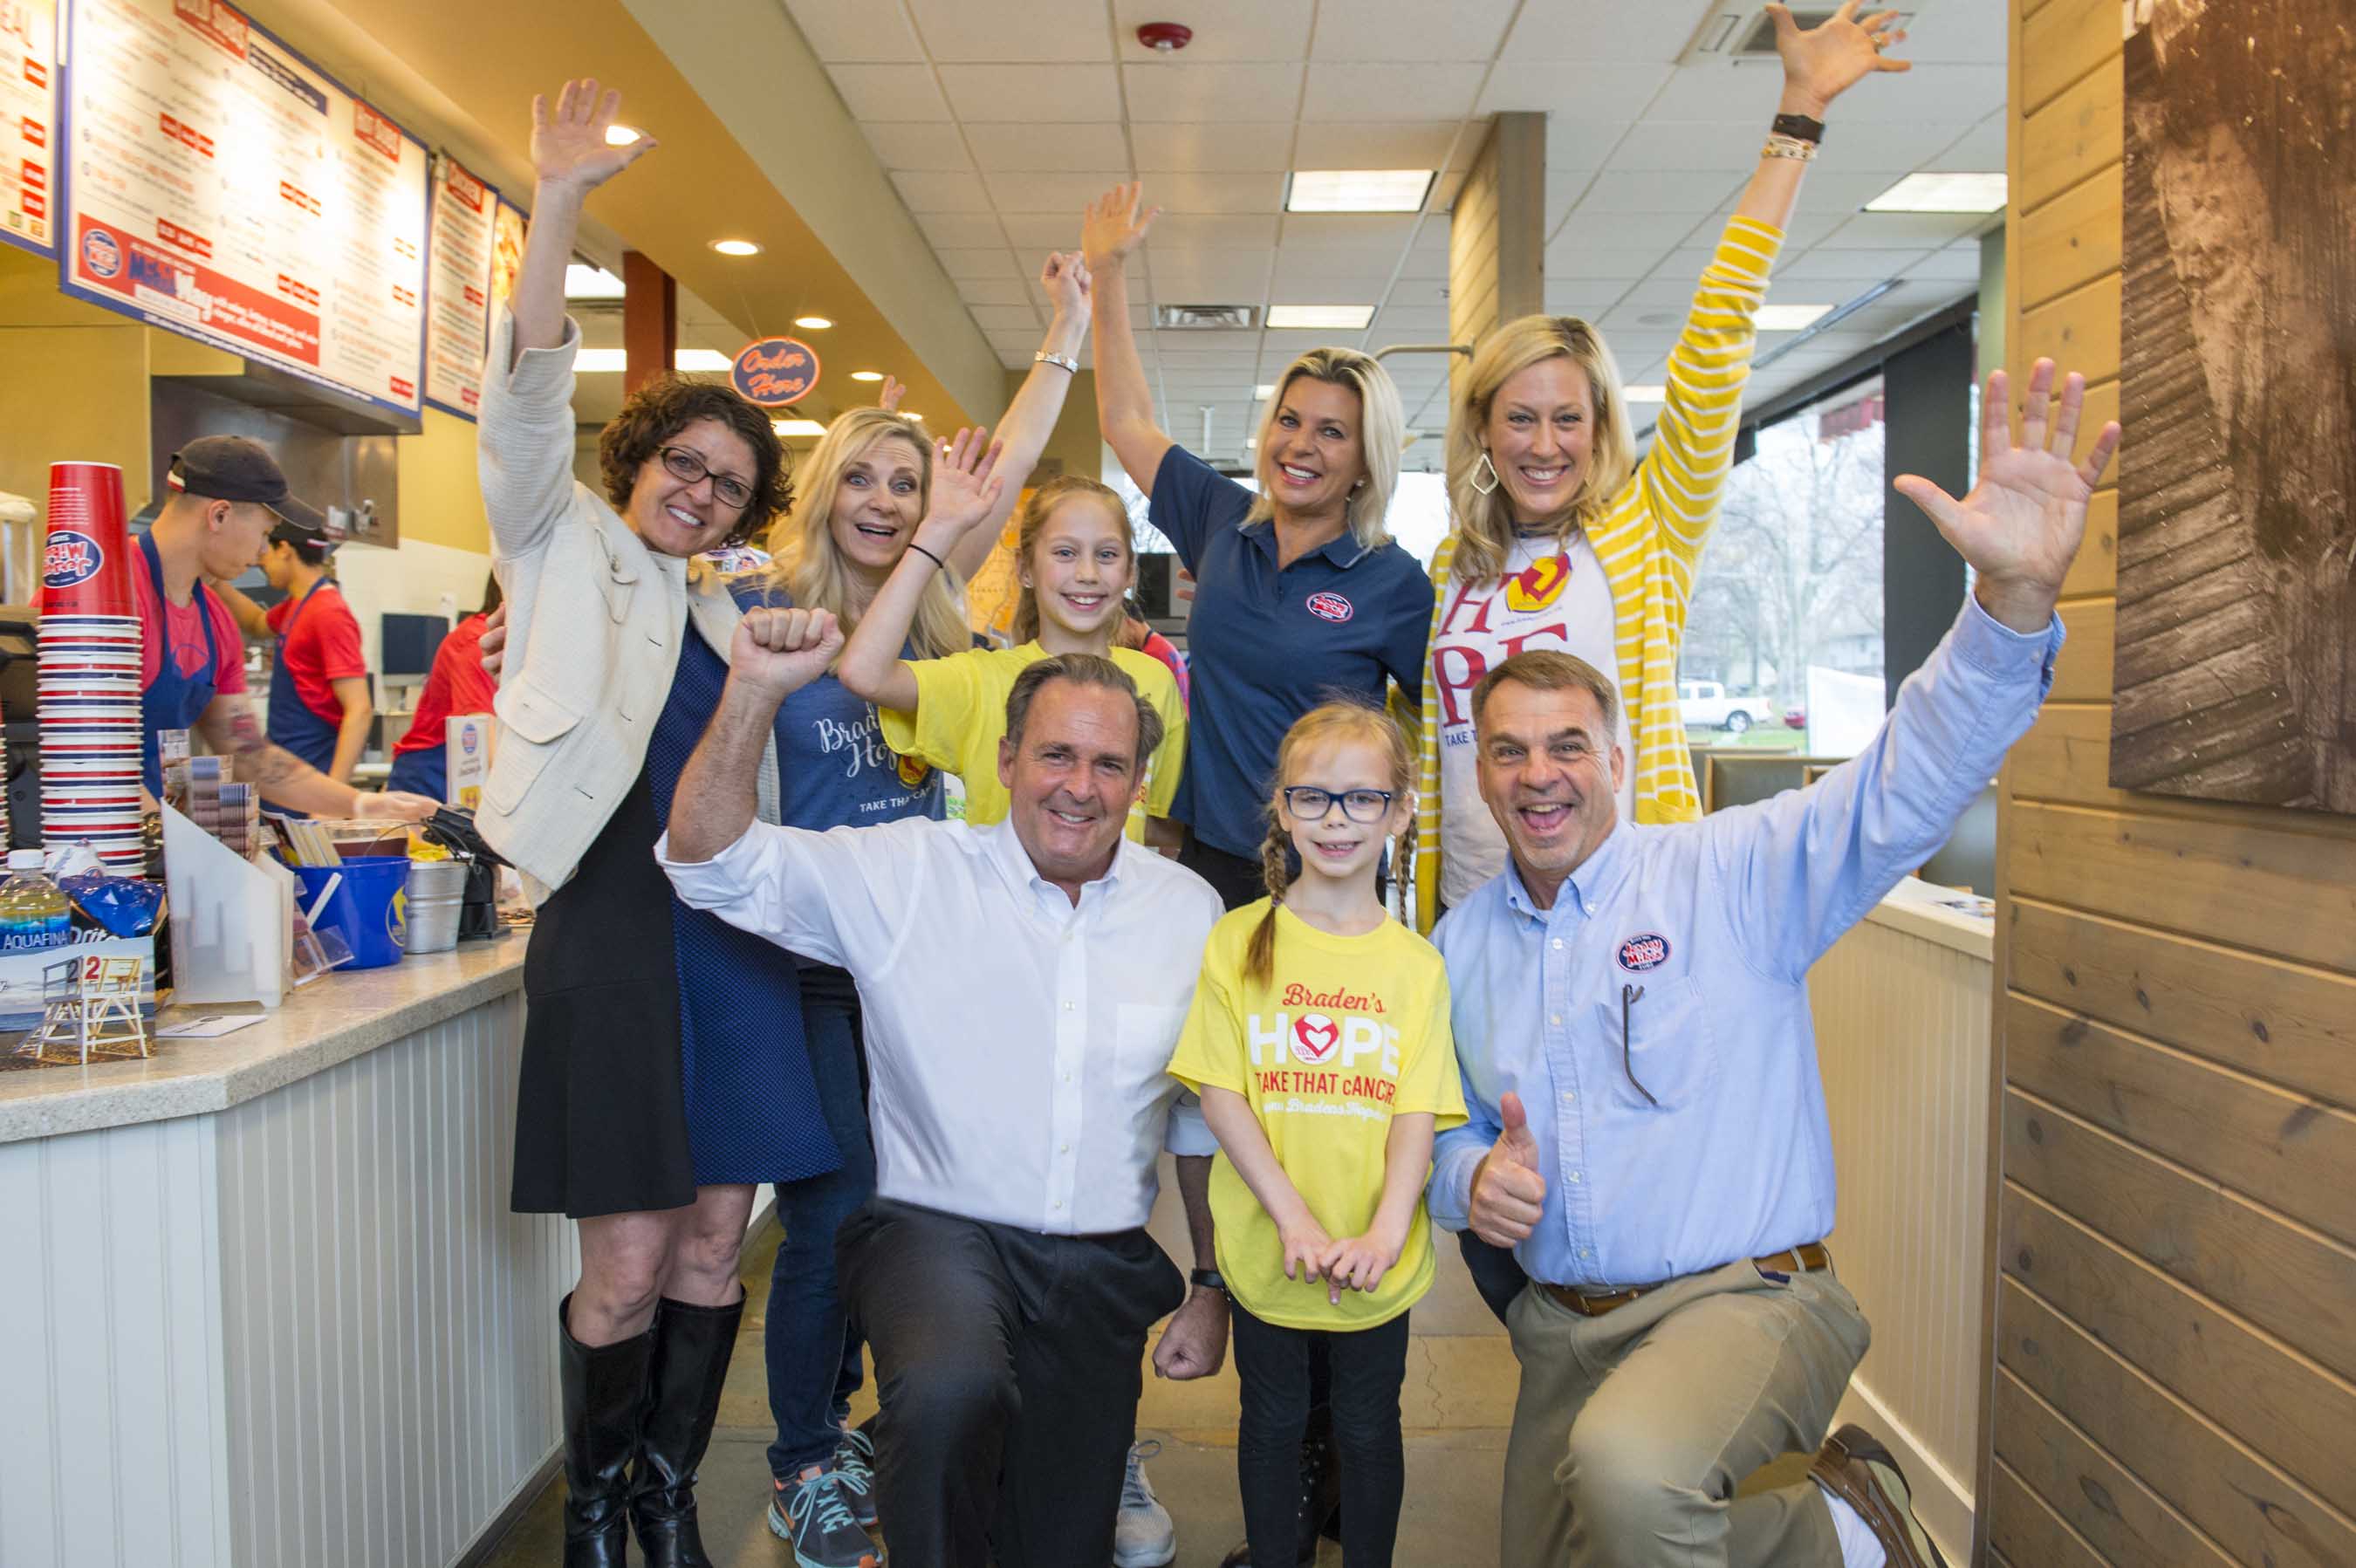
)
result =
(89, 683)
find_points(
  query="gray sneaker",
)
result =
(813, 1516)
(1143, 1536)
(855, 1458)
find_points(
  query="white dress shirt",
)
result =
(1017, 1045)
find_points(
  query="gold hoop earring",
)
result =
(1491, 488)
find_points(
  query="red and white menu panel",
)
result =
(28, 123)
(225, 187)
(458, 307)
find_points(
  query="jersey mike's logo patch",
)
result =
(1314, 1036)
(70, 558)
(1638, 954)
(1331, 606)
(1538, 584)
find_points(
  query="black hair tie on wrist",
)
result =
(928, 555)
(1799, 127)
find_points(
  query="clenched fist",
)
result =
(779, 651)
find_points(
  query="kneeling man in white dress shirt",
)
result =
(1024, 985)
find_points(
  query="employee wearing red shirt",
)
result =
(457, 684)
(319, 705)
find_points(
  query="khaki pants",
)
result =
(1633, 1428)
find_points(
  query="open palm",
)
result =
(1112, 229)
(568, 141)
(1824, 61)
(966, 485)
(2020, 526)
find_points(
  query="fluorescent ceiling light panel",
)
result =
(1790, 317)
(584, 282)
(792, 427)
(1357, 191)
(1646, 392)
(1329, 317)
(604, 361)
(1265, 389)
(1942, 193)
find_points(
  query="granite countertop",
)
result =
(331, 1020)
(1922, 909)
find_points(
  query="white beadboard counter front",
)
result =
(268, 1306)
(333, 1019)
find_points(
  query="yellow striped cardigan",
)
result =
(1649, 539)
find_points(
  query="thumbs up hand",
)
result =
(1509, 1193)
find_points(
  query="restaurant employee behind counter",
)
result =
(226, 494)
(319, 705)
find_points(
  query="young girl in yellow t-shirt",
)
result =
(1076, 559)
(1318, 1041)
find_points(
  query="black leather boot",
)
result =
(1320, 1494)
(692, 1346)
(604, 1388)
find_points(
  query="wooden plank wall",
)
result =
(2173, 1153)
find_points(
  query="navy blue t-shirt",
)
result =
(833, 768)
(1266, 646)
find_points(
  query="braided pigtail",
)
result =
(1276, 870)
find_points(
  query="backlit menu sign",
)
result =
(458, 304)
(28, 123)
(223, 186)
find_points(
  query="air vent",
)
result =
(1738, 33)
(1206, 317)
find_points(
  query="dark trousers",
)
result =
(1272, 1365)
(1007, 1363)
(1496, 1273)
(812, 1353)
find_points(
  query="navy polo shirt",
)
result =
(1266, 646)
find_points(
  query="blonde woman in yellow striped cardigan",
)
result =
(1563, 539)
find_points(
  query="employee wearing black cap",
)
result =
(319, 703)
(226, 494)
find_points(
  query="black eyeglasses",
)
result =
(1311, 804)
(690, 466)
(1628, 996)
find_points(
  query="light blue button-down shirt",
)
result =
(1716, 921)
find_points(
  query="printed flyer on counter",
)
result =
(28, 123)
(225, 187)
(458, 307)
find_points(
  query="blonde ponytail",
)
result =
(1276, 871)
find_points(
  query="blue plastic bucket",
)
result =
(369, 908)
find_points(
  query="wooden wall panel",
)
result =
(2172, 1369)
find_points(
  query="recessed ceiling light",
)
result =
(1646, 393)
(1265, 389)
(1789, 317)
(1357, 191)
(621, 135)
(1942, 193)
(866, 375)
(787, 428)
(1332, 317)
(736, 247)
(598, 361)
(812, 323)
(584, 282)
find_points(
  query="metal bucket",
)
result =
(437, 891)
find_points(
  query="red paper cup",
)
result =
(86, 565)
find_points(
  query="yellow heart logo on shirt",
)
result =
(1537, 585)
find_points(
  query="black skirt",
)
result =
(601, 1107)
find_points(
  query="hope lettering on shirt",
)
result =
(1510, 615)
(1334, 1050)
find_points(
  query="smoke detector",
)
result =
(1165, 38)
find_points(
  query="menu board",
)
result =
(458, 303)
(223, 186)
(28, 123)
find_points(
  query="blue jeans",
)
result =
(813, 1353)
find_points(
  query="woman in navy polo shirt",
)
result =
(1299, 594)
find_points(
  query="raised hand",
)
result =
(1820, 63)
(894, 389)
(966, 488)
(1064, 276)
(779, 651)
(2022, 524)
(1508, 1192)
(1112, 230)
(568, 142)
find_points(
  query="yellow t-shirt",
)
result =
(1346, 1031)
(961, 716)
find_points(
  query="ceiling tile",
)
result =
(1009, 30)
(1024, 192)
(993, 290)
(941, 192)
(1182, 192)
(1585, 91)
(1628, 192)
(1422, 144)
(1656, 231)
(1570, 260)
(1402, 318)
(1224, 30)
(1041, 233)
(1722, 90)
(1062, 94)
(980, 266)
(1956, 263)
(889, 91)
(1408, 30)
(1211, 147)
(960, 229)
(1353, 92)
(1957, 95)
(1891, 149)
(1673, 146)
(1166, 91)
(1599, 29)
(1589, 301)
(1978, 150)
(1892, 231)
(1293, 286)
(1208, 278)
(924, 145)
(1213, 231)
(839, 30)
(1015, 347)
(1957, 32)
(1057, 147)
(1823, 267)
(1005, 318)
(1349, 231)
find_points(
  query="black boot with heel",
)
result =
(604, 1389)
(692, 1346)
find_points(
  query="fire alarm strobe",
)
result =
(1165, 38)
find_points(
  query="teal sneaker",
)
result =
(855, 1458)
(814, 1517)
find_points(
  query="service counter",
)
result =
(268, 1304)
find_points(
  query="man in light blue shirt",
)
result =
(1648, 1128)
